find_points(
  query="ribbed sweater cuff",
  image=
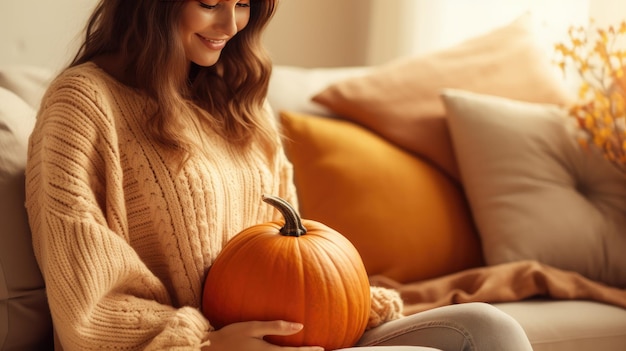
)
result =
(188, 329)
(387, 305)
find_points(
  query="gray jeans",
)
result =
(462, 327)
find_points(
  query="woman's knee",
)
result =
(470, 326)
(489, 328)
(483, 316)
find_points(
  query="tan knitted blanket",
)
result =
(501, 283)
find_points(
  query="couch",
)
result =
(459, 177)
(455, 174)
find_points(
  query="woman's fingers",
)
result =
(259, 329)
(256, 330)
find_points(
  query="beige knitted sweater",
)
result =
(123, 241)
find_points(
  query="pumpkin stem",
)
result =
(293, 223)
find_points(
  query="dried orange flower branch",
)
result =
(599, 58)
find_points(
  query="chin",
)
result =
(206, 61)
(205, 64)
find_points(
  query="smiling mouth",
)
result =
(214, 44)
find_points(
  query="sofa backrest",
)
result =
(25, 322)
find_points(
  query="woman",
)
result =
(151, 150)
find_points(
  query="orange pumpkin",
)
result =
(300, 271)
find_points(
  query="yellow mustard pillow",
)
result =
(408, 220)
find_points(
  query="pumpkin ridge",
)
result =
(332, 272)
(340, 256)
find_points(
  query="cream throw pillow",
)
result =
(533, 191)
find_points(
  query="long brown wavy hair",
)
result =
(228, 96)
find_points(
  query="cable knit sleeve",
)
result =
(102, 296)
(386, 306)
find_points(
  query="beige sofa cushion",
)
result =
(535, 193)
(292, 88)
(25, 323)
(27, 82)
(570, 325)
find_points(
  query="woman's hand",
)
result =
(247, 336)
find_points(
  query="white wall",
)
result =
(608, 11)
(394, 28)
(41, 32)
(320, 32)
(305, 33)
(434, 25)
